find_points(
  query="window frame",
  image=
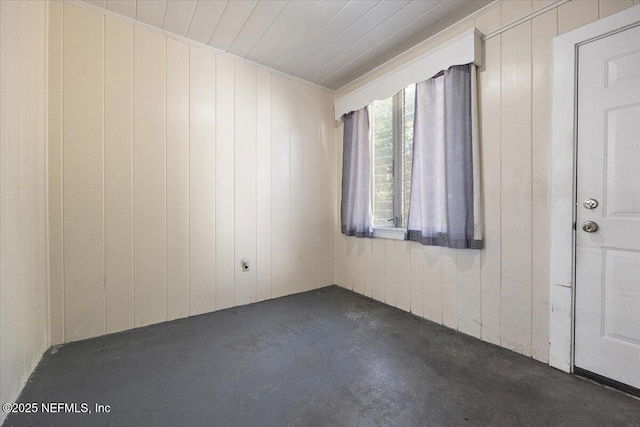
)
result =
(398, 145)
(396, 230)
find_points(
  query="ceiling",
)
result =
(327, 42)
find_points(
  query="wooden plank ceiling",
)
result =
(327, 42)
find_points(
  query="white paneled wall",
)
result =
(83, 173)
(169, 165)
(201, 179)
(23, 249)
(118, 158)
(149, 177)
(178, 149)
(501, 293)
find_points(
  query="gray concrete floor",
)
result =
(328, 357)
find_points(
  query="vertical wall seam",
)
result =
(235, 269)
(271, 184)
(300, 205)
(571, 346)
(479, 98)
(23, 245)
(166, 128)
(46, 179)
(215, 218)
(132, 188)
(500, 182)
(233, 185)
(289, 120)
(64, 282)
(104, 207)
(500, 178)
(531, 177)
(481, 256)
(43, 175)
(215, 159)
(319, 199)
(441, 319)
(215, 183)
(255, 187)
(133, 168)
(456, 253)
(189, 179)
(1, 170)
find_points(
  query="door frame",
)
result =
(563, 179)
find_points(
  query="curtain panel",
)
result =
(445, 204)
(356, 175)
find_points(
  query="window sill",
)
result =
(389, 233)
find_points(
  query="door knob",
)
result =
(590, 203)
(590, 226)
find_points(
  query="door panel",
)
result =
(607, 338)
(621, 296)
(623, 157)
(623, 68)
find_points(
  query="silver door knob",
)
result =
(590, 226)
(590, 203)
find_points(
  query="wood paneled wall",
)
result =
(501, 293)
(23, 249)
(168, 165)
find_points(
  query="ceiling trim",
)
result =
(194, 43)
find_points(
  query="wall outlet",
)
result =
(245, 264)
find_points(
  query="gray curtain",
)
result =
(356, 178)
(444, 205)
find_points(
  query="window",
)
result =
(392, 142)
(386, 167)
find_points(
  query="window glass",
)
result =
(382, 140)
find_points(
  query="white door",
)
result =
(607, 322)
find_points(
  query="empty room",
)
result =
(319, 213)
